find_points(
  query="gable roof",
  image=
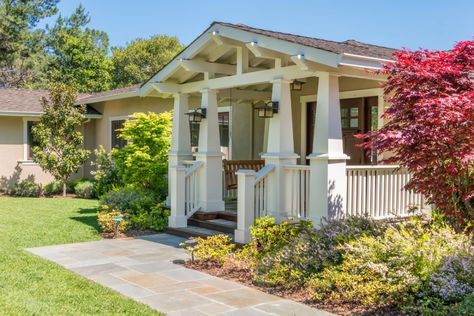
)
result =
(348, 46)
(22, 102)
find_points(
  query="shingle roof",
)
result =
(28, 101)
(349, 46)
(109, 93)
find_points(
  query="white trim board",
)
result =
(374, 92)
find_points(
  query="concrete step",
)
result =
(205, 216)
(194, 231)
(218, 224)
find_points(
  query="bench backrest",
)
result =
(232, 166)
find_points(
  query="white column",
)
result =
(180, 139)
(177, 217)
(245, 205)
(280, 148)
(210, 175)
(328, 161)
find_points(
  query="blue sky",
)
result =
(412, 24)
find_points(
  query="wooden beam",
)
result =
(203, 66)
(219, 52)
(240, 94)
(262, 52)
(221, 40)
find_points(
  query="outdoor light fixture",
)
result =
(267, 110)
(296, 85)
(197, 115)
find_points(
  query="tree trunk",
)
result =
(64, 188)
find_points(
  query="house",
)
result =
(243, 93)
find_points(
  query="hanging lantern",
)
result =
(267, 110)
(296, 85)
(196, 116)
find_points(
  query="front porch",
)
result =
(313, 168)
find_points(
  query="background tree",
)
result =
(144, 161)
(20, 46)
(77, 55)
(60, 145)
(142, 58)
(430, 126)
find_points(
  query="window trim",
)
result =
(26, 159)
(112, 119)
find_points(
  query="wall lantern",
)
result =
(267, 110)
(296, 85)
(197, 115)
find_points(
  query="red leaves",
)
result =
(430, 124)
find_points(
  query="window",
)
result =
(30, 141)
(350, 117)
(116, 141)
(223, 119)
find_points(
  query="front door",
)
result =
(357, 116)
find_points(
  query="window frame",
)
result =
(26, 145)
(113, 119)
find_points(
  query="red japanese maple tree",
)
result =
(429, 126)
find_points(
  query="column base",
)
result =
(177, 221)
(242, 236)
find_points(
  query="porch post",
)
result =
(210, 175)
(280, 147)
(245, 206)
(327, 161)
(180, 139)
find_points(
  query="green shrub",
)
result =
(213, 249)
(389, 269)
(105, 172)
(85, 189)
(289, 253)
(130, 200)
(105, 221)
(155, 218)
(53, 188)
(144, 161)
(25, 188)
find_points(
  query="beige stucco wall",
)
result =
(124, 107)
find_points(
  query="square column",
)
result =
(210, 174)
(280, 148)
(180, 139)
(328, 183)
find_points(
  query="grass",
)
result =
(30, 285)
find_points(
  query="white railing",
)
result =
(377, 191)
(191, 202)
(297, 191)
(261, 191)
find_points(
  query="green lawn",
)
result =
(30, 285)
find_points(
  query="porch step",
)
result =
(218, 224)
(194, 231)
(205, 216)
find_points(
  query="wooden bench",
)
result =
(232, 166)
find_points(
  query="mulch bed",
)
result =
(237, 273)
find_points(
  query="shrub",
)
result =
(289, 253)
(53, 188)
(144, 161)
(130, 200)
(387, 269)
(105, 217)
(25, 188)
(155, 218)
(85, 189)
(105, 172)
(71, 184)
(211, 250)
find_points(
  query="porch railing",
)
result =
(378, 191)
(297, 190)
(191, 202)
(261, 191)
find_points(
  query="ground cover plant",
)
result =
(419, 266)
(30, 285)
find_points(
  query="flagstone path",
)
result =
(143, 269)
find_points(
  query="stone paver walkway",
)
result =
(143, 269)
